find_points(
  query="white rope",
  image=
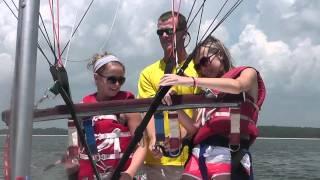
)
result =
(105, 43)
(175, 8)
(71, 37)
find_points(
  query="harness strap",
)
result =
(234, 137)
(202, 162)
(237, 171)
(174, 136)
(159, 125)
(89, 133)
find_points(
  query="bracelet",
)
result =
(194, 82)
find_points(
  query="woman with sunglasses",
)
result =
(212, 156)
(110, 134)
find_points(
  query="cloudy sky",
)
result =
(278, 37)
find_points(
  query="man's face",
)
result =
(166, 34)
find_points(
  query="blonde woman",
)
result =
(112, 132)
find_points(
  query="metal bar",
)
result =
(23, 89)
(133, 105)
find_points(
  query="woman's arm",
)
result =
(187, 122)
(246, 81)
(183, 118)
(134, 119)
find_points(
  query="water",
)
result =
(273, 159)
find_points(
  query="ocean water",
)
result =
(273, 159)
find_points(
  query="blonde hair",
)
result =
(98, 56)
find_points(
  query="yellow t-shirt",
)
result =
(148, 86)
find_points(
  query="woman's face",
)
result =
(110, 80)
(208, 62)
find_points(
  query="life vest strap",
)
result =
(234, 137)
(112, 135)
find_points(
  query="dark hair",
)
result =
(98, 56)
(182, 22)
(214, 44)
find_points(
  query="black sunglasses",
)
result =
(114, 79)
(168, 31)
(204, 61)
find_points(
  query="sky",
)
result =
(280, 38)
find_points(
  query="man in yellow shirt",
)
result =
(164, 167)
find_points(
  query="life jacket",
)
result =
(217, 121)
(111, 138)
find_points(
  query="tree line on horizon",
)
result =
(264, 131)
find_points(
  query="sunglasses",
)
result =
(204, 61)
(114, 79)
(168, 31)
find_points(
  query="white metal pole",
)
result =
(23, 89)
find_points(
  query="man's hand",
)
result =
(167, 98)
(156, 152)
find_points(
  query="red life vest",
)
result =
(112, 138)
(217, 121)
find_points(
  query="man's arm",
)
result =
(147, 90)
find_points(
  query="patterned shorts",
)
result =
(217, 159)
